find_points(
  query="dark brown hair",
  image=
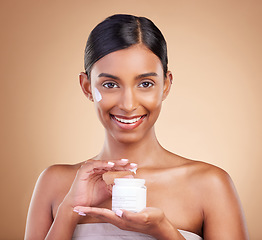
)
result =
(121, 31)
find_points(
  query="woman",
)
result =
(127, 79)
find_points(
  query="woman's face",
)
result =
(128, 88)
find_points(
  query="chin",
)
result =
(130, 138)
(127, 139)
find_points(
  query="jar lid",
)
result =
(130, 182)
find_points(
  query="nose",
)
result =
(128, 101)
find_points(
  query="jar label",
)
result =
(132, 199)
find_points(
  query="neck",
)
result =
(145, 152)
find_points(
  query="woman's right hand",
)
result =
(88, 188)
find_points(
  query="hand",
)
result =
(89, 188)
(150, 221)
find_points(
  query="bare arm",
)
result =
(40, 222)
(87, 188)
(223, 214)
(39, 217)
(64, 223)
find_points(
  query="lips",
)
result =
(128, 123)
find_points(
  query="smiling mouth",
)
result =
(127, 120)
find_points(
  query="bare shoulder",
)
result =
(217, 197)
(52, 182)
(59, 170)
(57, 176)
(207, 182)
(201, 173)
(212, 182)
(206, 174)
(202, 178)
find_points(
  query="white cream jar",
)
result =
(129, 194)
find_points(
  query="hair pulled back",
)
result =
(121, 31)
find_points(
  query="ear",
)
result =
(167, 84)
(85, 84)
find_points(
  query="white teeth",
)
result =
(127, 120)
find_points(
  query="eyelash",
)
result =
(148, 83)
(115, 85)
(111, 83)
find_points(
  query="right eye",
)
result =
(110, 85)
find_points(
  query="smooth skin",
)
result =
(182, 193)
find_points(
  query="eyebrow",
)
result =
(144, 75)
(150, 74)
(108, 75)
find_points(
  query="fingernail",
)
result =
(133, 164)
(119, 213)
(111, 163)
(82, 214)
(133, 170)
(124, 160)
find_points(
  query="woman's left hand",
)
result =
(150, 221)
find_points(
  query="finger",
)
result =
(132, 220)
(122, 162)
(129, 216)
(94, 167)
(117, 165)
(99, 163)
(88, 166)
(101, 213)
(126, 167)
(143, 217)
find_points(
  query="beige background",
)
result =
(213, 112)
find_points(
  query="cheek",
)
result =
(101, 99)
(151, 101)
(105, 102)
(97, 95)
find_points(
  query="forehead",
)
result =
(133, 60)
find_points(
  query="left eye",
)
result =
(146, 84)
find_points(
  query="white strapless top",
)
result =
(102, 231)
